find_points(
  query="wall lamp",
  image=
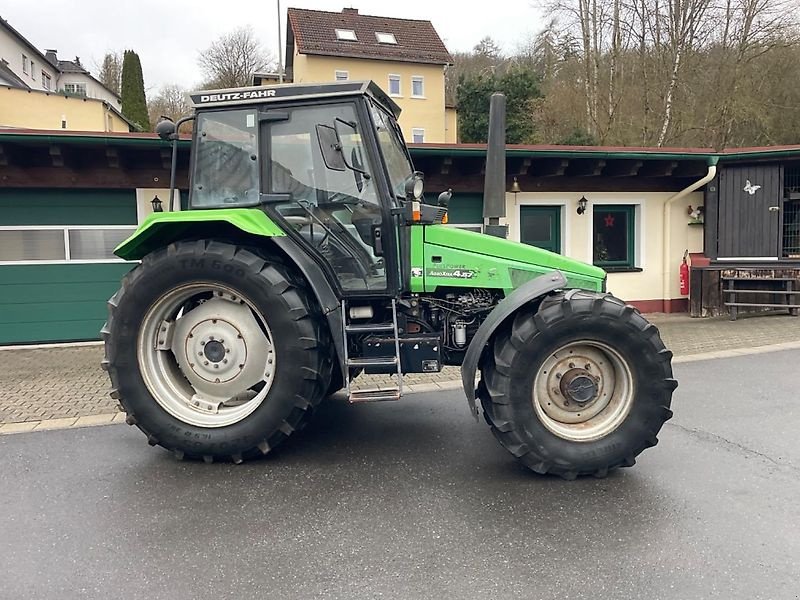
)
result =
(582, 205)
(156, 204)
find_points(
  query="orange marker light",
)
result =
(416, 216)
(444, 219)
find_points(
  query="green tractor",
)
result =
(309, 255)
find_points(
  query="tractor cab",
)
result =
(326, 162)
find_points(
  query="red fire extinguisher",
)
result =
(684, 276)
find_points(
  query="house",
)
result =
(405, 57)
(68, 199)
(39, 91)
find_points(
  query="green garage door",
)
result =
(56, 264)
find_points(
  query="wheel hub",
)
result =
(216, 349)
(579, 386)
(582, 390)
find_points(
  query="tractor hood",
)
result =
(491, 260)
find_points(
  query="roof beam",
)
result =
(658, 168)
(549, 167)
(112, 156)
(166, 158)
(583, 167)
(56, 157)
(622, 168)
(690, 169)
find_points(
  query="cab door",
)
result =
(333, 210)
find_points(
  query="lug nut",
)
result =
(216, 366)
(558, 375)
(202, 343)
(588, 367)
(571, 365)
(205, 362)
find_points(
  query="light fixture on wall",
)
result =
(515, 189)
(156, 203)
(582, 205)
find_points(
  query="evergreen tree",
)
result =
(521, 87)
(134, 103)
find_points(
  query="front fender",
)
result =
(161, 229)
(531, 290)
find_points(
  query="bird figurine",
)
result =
(444, 197)
(697, 213)
(750, 188)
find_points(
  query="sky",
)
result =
(168, 35)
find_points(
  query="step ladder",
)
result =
(376, 394)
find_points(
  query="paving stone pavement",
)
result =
(67, 382)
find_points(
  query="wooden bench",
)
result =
(735, 286)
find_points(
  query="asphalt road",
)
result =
(415, 500)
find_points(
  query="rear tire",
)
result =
(573, 416)
(285, 337)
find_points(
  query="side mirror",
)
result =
(331, 148)
(165, 129)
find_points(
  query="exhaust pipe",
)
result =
(494, 184)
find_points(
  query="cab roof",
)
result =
(267, 94)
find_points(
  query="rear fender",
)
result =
(162, 228)
(535, 288)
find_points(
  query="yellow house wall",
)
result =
(427, 113)
(576, 236)
(39, 110)
(451, 126)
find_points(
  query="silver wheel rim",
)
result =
(583, 391)
(206, 355)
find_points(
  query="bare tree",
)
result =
(233, 58)
(110, 71)
(685, 20)
(171, 101)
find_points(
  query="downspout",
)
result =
(665, 258)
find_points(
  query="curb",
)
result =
(418, 388)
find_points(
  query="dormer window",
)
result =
(346, 35)
(385, 38)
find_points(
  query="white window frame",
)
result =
(344, 35)
(66, 229)
(384, 37)
(399, 79)
(339, 72)
(421, 80)
(414, 132)
(47, 81)
(24, 64)
(75, 91)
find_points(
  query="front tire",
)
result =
(215, 352)
(580, 385)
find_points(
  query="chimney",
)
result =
(52, 57)
(349, 11)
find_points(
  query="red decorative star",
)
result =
(609, 221)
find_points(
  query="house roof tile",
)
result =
(314, 32)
